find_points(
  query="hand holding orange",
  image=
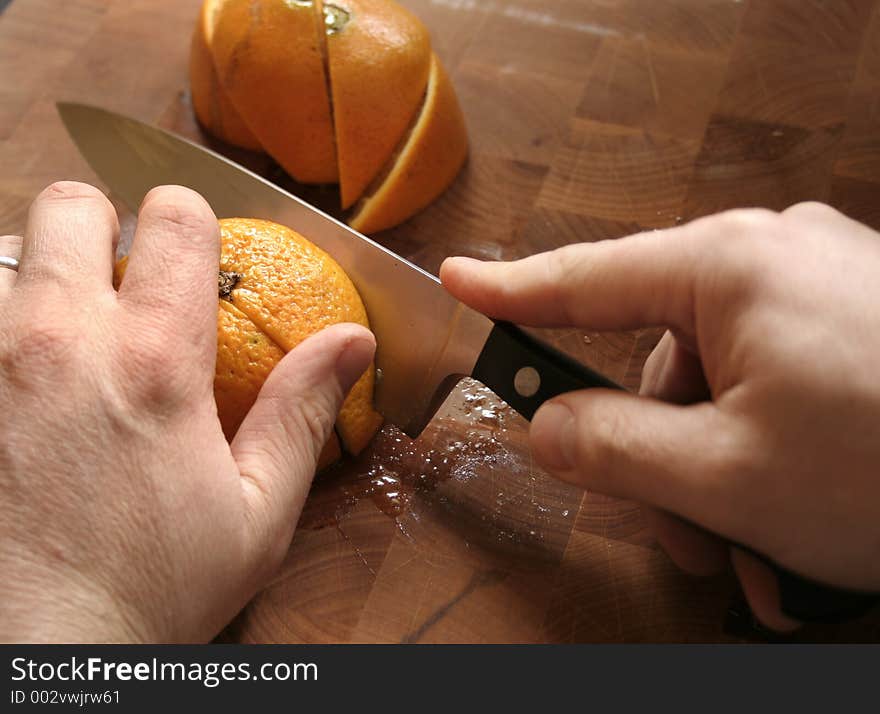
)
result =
(347, 92)
(276, 289)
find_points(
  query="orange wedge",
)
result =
(269, 61)
(433, 154)
(212, 106)
(379, 56)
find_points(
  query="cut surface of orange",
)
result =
(433, 154)
(211, 104)
(379, 57)
(269, 61)
(278, 288)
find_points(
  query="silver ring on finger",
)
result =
(7, 262)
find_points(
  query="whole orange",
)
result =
(276, 288)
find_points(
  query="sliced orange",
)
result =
(212, 106)
(379, 57)
(269, 61)
(393, 136)
(432, 156)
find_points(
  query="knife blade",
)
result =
(426, 340)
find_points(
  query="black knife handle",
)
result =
(526, 372)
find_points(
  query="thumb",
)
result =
(278, 444)
(668, 456)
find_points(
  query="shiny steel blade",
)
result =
(423, 334)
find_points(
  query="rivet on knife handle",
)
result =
(525, 372)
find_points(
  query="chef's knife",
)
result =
(426, 340)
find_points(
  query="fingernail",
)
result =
(353, 361)
(552, 437)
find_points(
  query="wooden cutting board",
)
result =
(589, 120)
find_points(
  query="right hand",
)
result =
(762, 422)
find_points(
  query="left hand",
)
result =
(124, 513)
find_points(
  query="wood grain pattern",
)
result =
(589, 120)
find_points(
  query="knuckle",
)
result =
(734, 450)
(312, 420)
(291, 429)
(604, 439)
(179, 218)
(78, 197)
(10, 243)
(565, 263)
(809, 210)
(38, 349)
(601, 438)
(158, 382)
(71, 191)
(733, 468)
(747, 223)
(181, 211)
(566, 270)
(747, 245)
